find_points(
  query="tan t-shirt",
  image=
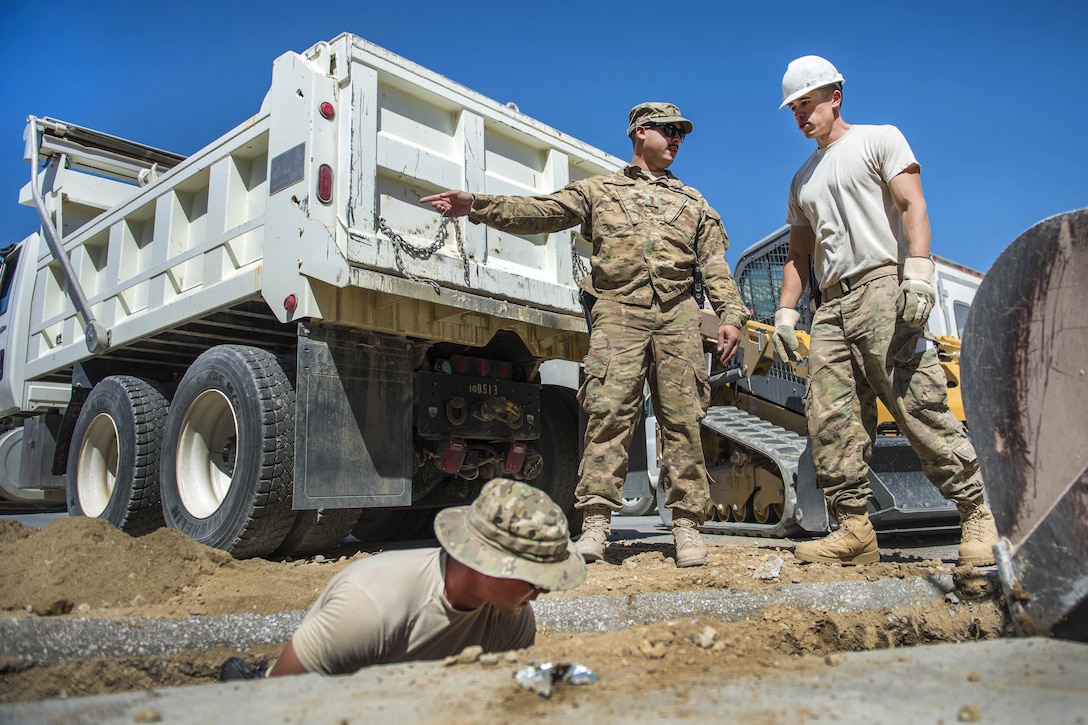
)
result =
(391, 607)
(841, 192)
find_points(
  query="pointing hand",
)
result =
(450, 203)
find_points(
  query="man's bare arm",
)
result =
(795, 270)
(287, 664)
(906, 191)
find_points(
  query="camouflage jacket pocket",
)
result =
(616, 209)
(683, 215)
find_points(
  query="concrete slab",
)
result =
(997, 681)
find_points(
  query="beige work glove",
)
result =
(784, 337)
(916, 294)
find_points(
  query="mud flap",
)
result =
(903, 498)
(637, 483)
(811, 511)
(1025, 391)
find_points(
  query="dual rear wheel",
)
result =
(217, 461)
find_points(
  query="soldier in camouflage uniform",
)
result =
(650, 234)
(858, 216)
(497, 555)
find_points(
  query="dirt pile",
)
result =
(85, 567)
(79, 567)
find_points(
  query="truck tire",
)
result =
(558, 445)
(318, 530)
(569, 398)
(11, 447)
(638, 506)
(113, 461)
(228, 452)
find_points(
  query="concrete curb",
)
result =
(52, 640)
(997, 681)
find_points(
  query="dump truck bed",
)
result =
(308, 210)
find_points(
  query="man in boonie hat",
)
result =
(657, 247)
(497, 555)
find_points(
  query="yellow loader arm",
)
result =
(756, 355)
(754, 352)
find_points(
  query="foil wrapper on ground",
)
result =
(540, 678)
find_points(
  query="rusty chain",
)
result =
(400, 244)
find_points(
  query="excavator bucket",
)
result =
(1025, 391)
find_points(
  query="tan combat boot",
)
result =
(854, 542)
(596, 524)
(690, 549)
(979, 534)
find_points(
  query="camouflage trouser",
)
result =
(625, 342)
(860, 350)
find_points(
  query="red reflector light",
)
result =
(515, 457)
(505, 371)
(326, 109)
(453, 456)
(483, 367)
(290, 303)
(324, 183)
(460, 365)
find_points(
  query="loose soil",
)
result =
(79, 567)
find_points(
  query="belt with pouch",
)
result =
(847, 285)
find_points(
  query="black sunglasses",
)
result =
(671, 130)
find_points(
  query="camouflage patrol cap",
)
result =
(513, 531)
(651, 112)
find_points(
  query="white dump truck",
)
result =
(271, 342)
(956, 286)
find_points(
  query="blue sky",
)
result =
(989, 94)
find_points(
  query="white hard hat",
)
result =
(805, 74)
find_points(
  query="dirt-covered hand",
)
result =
(728, 341)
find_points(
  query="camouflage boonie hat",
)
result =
(651, 112)
(513, 531)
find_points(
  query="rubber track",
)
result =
(782, 447)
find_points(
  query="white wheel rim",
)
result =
(207, 446)
(96, 473)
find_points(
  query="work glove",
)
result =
(784, 337)
(235, 668)
(916, 294)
